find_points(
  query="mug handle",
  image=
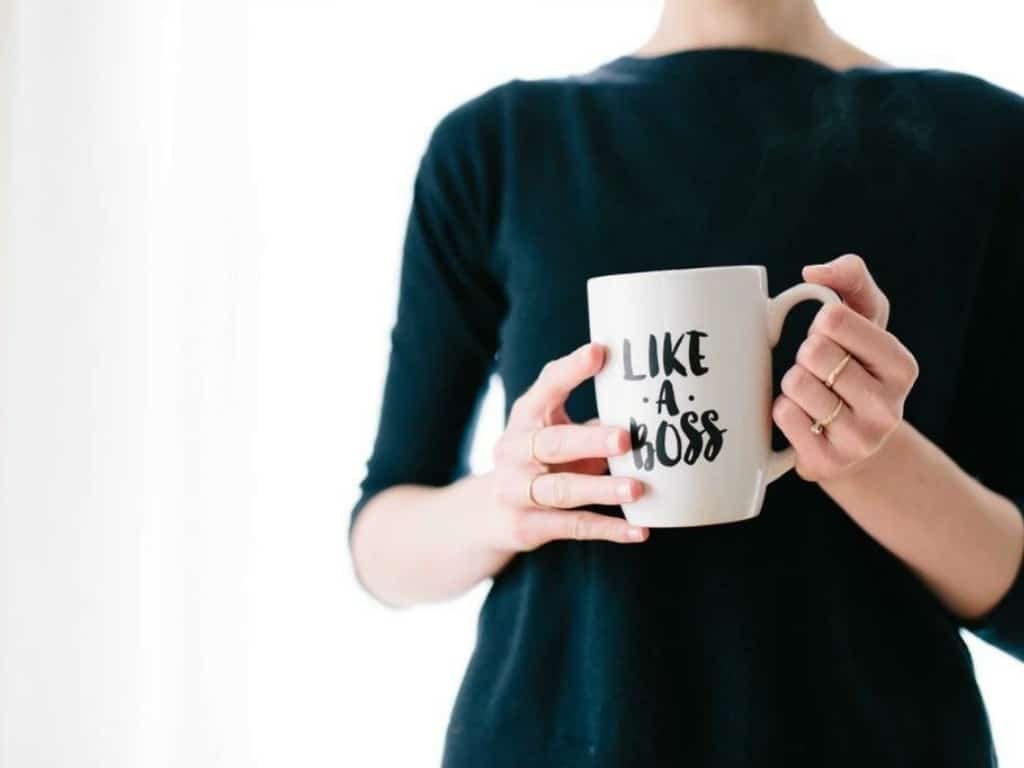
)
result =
(780, 462)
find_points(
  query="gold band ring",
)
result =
(533, 454)
(535, 460)
(834, 374)
(529, 492)
(820, 424)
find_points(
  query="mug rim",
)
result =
(655, 272)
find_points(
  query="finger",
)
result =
(875, 410)
(556, 380)
(568, 442)
(540, 527)
(879, 352)
(815, 456)
(849, 276)
(818, 402)
(564, 490)
(820, 355)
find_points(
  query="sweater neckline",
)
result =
(727, 59)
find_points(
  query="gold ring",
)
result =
(529, 492)
(820, 424)
(533, 455)
(837, 370)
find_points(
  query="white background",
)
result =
(201, 212)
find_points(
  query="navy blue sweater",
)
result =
(794, 638)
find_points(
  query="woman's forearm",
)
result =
(962, 539)
(413, 544)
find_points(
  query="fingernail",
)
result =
(615, 442)
(820, 267)
(636, 534)
(626, 492)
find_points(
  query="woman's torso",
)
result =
(793, 638)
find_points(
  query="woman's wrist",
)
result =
(964, 540)
(898, 446)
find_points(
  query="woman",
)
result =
(824, 631)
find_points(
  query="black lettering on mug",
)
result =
(627, 362)
(668, 362)
(697, 367)
(643, 451)
(681, 437)
(668, 456)
(697, 435)
(667, 399)
(710, 421)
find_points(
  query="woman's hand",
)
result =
(545, 465)
(873, 384)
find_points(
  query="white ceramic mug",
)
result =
(688, 373)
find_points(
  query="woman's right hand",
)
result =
(545, 465)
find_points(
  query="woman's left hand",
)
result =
(873, 384)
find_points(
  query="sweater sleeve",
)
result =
(988, 418)
(450, 305)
